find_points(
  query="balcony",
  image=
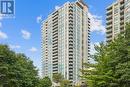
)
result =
(71, 24)
(70, 48)
(71, 55)
(108, 27)
(55, 22)
(70, 10)
(89, 42)
(55, 33)
(55, 25)
(70, 34)
(70, 30)
(71, 78)
(71, 58)
(71, 62)
(71, 17)
(109, 22)
(109, 40)
(71, 14)
(70, 21)
(109, 17)
(55, 54)
(55, 18)
(122, 17)
(89, 35)
(71, 75)
(89, 30)
(55, 37)
(122, 26)
(71, 41)
(55, 63)
(70, 68)
(122, 7)
(70, 52)
(55, 58)
(55, 49)
(89, 47)
(55, 41)
(109, 8)
(122, 22)
(109, 12)
(55, 13)
(109, 35)
(109, 32)
(55, 69)
(70, 44)
(71, 38)
(122, 29)
(71, 7)
(88, 25)
(122, 12)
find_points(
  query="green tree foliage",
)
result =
(16, 70)
(112, 67)
(45, 82)
(57, 78)
(65, 83)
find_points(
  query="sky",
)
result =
(23, 33)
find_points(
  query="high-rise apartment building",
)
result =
(117, 15)
(65, 41)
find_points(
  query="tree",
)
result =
(16, 70)
(65, 83)
(112, 67)
(45, 82)
(57, 78)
